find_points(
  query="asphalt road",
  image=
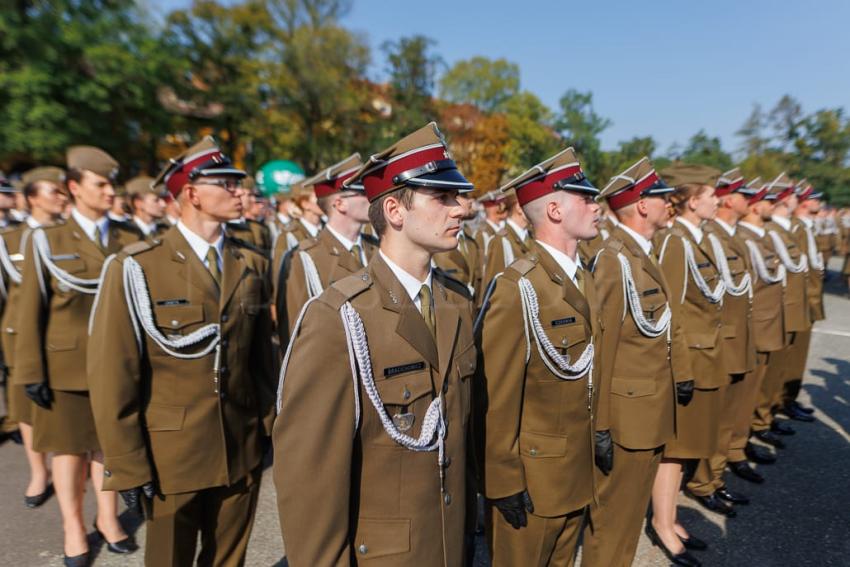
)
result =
(800, 516)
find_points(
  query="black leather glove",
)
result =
(133, 497)
(684, 392)
(604, 451)
(513, 508)
(40, 394)
(737, 378)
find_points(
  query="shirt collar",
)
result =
(200, 246)
(172, 220)
(784, 222)
(410, 284)
(145, 227)
(567, 264)
(522, 233)
(283, 218)
(695, 231)
(32, 223)
(757, 229)
(497, 226)
(119, 218)
(312, 229)
(645, 245)
(810, 223)
(726, 227)
(343, 240)
(89, 226)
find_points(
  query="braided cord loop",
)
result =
(815, 257)
(745, 286)
(647, 329)
(712, 295)
(761, 266)
(798, 268)
(42, 250)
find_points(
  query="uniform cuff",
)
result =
(127, 471)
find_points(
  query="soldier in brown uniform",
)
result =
(642, 357)
(339, 250)
(510, 243)
(376, 385)
(538, 335)
(495, 214)
(768, 277)
(46, 201)
(61, 276)
(464, 263)
(303, 226)
(791, 249)
(248, 228)
(8, 199)
(148, 203)
(803, 225)
(737, 353)
(181, 375)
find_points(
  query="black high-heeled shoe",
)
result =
(694, 543)
(684, 558)
(82, 560)
(39, 499)
(124, 546)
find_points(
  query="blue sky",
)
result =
(661, 67)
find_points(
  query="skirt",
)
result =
(67, 427)
(697, 425)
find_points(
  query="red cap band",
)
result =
(380, 180)
(724, 190)
(332, 186)
(805, 194)
(785, 194)
(539, 187)
(632, 194)
(179, 177)
(759, 196)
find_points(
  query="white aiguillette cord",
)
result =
(646, 328)
(43, 256)
(744, 287)
(712, 295)
(798, 268)
(761, 267)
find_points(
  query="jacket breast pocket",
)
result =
(251, 296)
(566, 333)
(542, 445)
(159, 417)
(405, 399)
(632, 387)
(175, 318)
(381, 538)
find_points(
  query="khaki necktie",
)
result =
(580, 280)
(428, 310)
(98, 238)
(355, 251)
(212, 264)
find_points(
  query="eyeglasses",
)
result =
(229, 185)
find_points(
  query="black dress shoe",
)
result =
(83, 560)
(800, 407)
(694, 543)
(731, 496)
(795, 414)
(124, 546)
(781, 428)
(742, 469)
(684, 558)
(769, 438)
(713, 503)
(759, 455)
(38, 499)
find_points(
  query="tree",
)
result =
(752, 132)
(580, 126)
(531, 138)
(784, 120)
(706, 150)
(412, 70)
(627, 154)
(485, 83)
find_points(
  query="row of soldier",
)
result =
(566, 364)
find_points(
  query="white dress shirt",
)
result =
(496, 226)
(726, 227)
(784, 222)
(200, 246)
(695, 231)
(145, 227)
(32, 223)
(411, 284)
(522, 233)
(348, 244)
(645, 245)
(757, 229)
(567, 264)
(312, 229)
(89, 226)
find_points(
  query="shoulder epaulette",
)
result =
(451, 283)
(522, 265)
(614, 243)
(348, 287)
(246, 245)
(140, 246)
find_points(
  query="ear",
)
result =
(394, 211)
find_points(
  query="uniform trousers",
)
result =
(223, 515)
(749, 394)
(613, 532)
(771, 389)
(543, 542)
(796, 367)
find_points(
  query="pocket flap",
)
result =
(61, 343)
(542, 445)
(164, 418)
(702, 340)
(632, 387)
(178, 316)
(405, 389)
(379, 538)
(467, 362)
(567, 336)
(728, 332)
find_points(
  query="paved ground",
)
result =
(800, 516)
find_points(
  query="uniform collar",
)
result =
(522, 233)
(348, 244)
(283, 218)
(89, 226)
(810, 223)
(725, 226)
(759, 230)
(200, 246)
(645, 245)
(145, 227)
(695, 231)
(312, 229)
(566, 263)
(32, 223)
(410, 284)
(784, 222)
(496, 226)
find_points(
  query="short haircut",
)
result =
(326, 202)
(679, 199)
(376, 208)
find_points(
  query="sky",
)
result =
(660, 67)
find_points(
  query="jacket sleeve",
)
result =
(609, 290)
(114, 377)
(494, 262)
(296, 289)
(315, 426)
(673, 270)
(503, 369)
(33, 311)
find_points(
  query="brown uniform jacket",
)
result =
(796, 302)
(53, 318)
(637, 396)
(15, 240)
(768, 330)
(495, 262)
(464, 263)
(700, 319)
(738, 352)
(349, 494)
(483, 235)
(188, 424)
(538, 428)
(814, 279)
(333, 263)
(252, 232)
(292, 234)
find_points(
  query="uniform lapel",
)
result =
(638, 253)
(234, 267)
(114, 244)
(189, 267)
(570, 293)
(344, 257)
(86, 245)
(448, 318)
(411, 326)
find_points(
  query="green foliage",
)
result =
(580, 126)
(412, 70)
(706, 150)
(485, 83)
